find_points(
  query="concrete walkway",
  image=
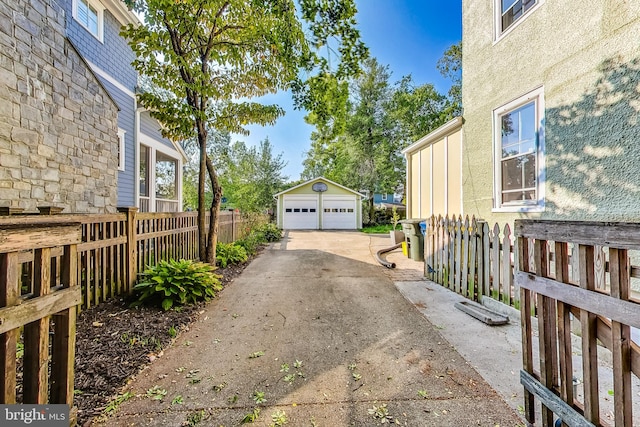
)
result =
(316, 327)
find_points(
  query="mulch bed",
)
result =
(115, 341)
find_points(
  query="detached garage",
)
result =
(319, 204)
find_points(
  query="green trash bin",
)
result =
(414, 239)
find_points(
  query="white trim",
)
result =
(155, 145)
(446, 129)
(121, 149)
(100, 72)
(498, 34)
(99, 7)
(537, 96)
(120, 11)
(409, 185)
(136, 156)
(321, 178)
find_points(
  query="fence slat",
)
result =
(9, 294)
(546, 329)
(486, 260)
(526, 327)
(473, 261)
(621, 341)
(464, 273)
(36, 336)
(564, 324)
(495, 263)
(589, 338)
(507, 269)
(64, 336)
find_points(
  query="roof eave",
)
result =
(431, 137)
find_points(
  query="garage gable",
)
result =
(319, 204)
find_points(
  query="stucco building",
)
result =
(551, 100)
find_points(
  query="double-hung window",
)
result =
(511, 12)
(90, 14)
(519, 149)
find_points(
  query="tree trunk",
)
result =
(212, 237)
(372, 210)
(202, 224)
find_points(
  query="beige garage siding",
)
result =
(434, 172)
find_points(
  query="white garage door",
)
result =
(338, 213)
(300, 214)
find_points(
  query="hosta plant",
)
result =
(230, 253)
(174, 283)
(269, 232)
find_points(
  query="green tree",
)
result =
(381, 120)
(205, 59)
(252, 176)
(450, 65)
(415, 110)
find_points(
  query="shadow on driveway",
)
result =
(365, 351)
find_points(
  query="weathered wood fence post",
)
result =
(131, 247)
(33, 309)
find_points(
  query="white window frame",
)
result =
(100, 12)
(497, 22)
(537, 96)
(383, 196)
(154, 147)
(121, 153)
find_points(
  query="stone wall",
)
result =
(58, 126)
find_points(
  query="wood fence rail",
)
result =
(556, 271)
(475, 260)
(113, 248)
(48, 306)
(604, 315)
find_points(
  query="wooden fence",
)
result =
(557, 269)
(113, 248)
(475, 260)
(45, 312)
(605, 316)
(469, 258)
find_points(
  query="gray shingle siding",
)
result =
(126, 121)
(113, 55)
(150, 127)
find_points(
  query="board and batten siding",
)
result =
(434, 172)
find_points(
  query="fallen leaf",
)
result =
(97, 324)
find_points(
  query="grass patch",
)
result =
(379, 229)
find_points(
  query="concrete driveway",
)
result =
(316, 327)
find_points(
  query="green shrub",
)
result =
(249, 243)
(269, 232)
(230, 253)
(174, 283)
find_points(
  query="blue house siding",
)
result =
(126, 122)
(150, 127)
(113, 55)
(377, 198)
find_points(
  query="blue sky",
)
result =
(407, 35)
